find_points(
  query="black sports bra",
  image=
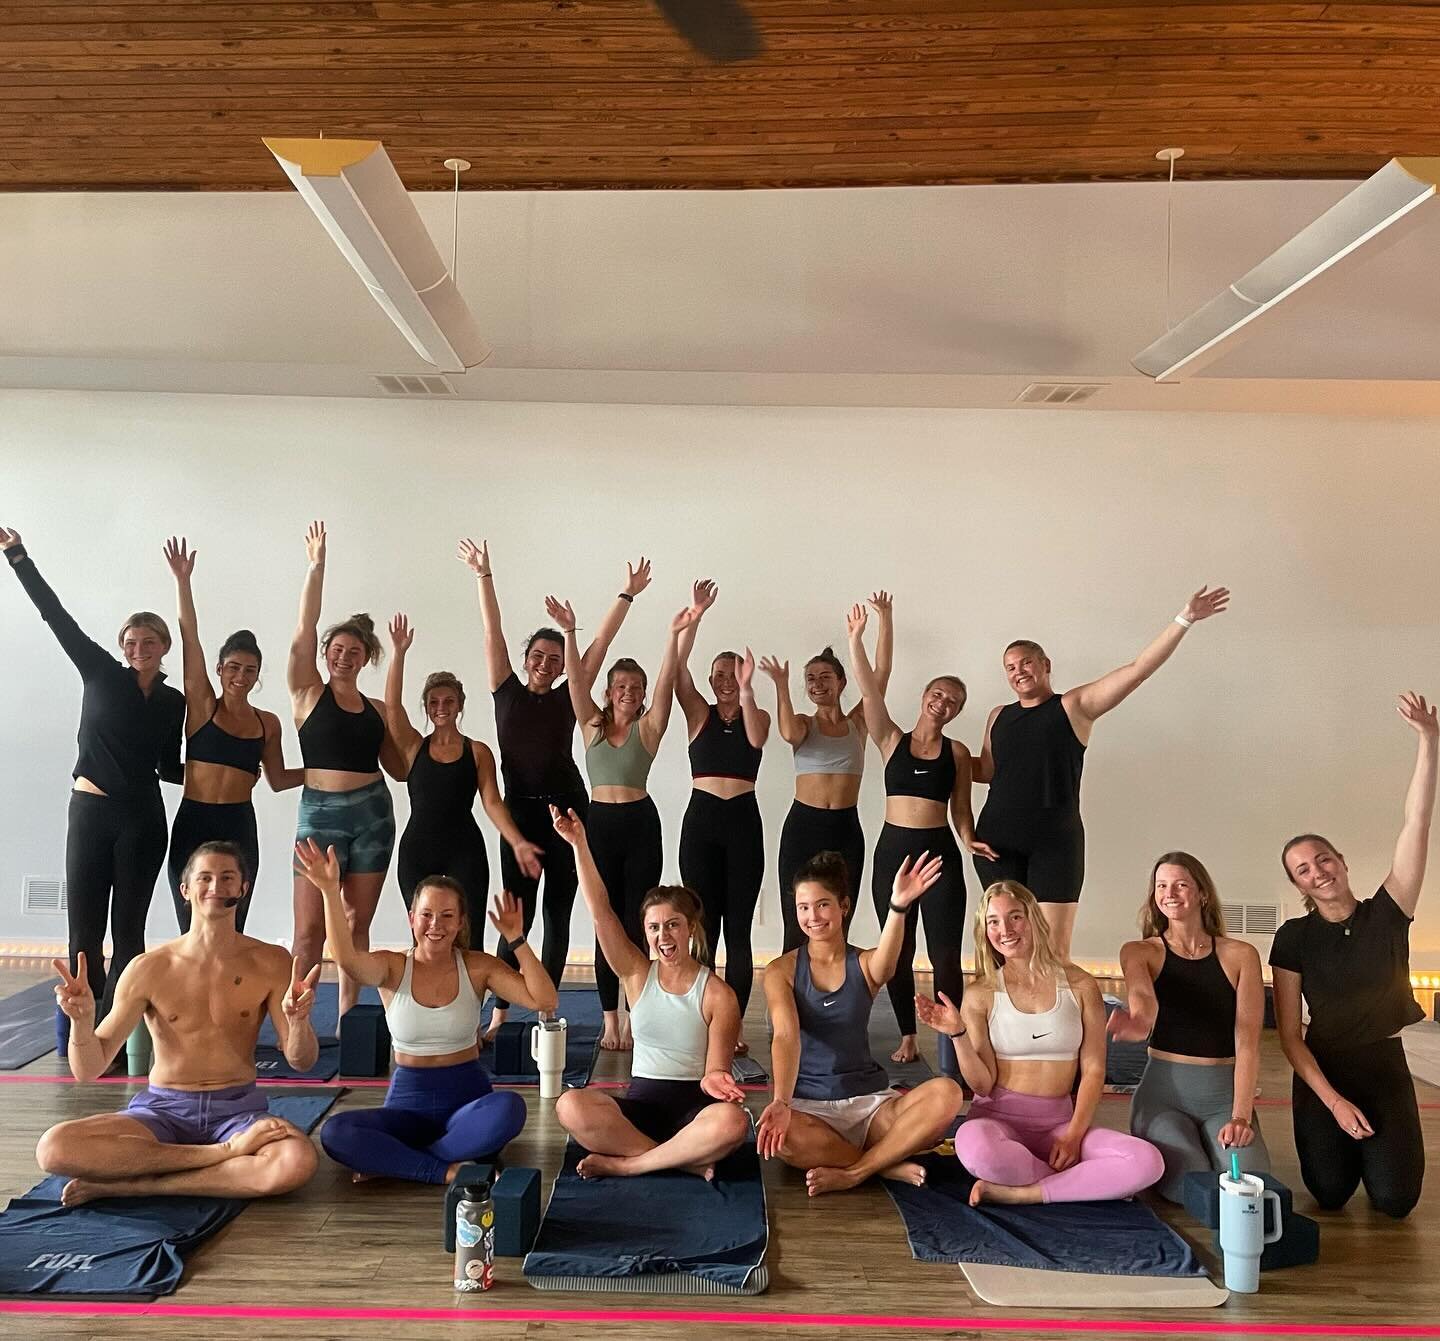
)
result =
(346, 742)
(929, 779)
(723, 750)
(211, 744)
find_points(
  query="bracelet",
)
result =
(1243, 1121)
(1183, 622)
(896, 908)
(961, 1034)
(514, 945)
(626, 597)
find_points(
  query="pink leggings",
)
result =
(1006, 1138)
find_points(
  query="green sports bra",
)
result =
(623, 765)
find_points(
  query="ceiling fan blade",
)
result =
(720, 30)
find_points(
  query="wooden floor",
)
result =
(379, 1247)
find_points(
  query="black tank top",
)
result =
(443, 795)
(1196, 1015)
(536, 734)
(1037, 757)
(348, 742)
(212, 745)
(723, 750)
(929, 779)
(835, 1058)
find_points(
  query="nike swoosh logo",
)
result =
(920, 772)
(1044, 1035)
(831, 1002)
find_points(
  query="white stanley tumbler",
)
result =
(547, 1047)
(1242, 1228)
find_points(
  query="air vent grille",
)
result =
(44, 894)
(1252, 919)
(425, 385)
(1059, 393)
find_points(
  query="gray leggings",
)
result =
(1180, 1108)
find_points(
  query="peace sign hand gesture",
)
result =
(300, 995)
(72, 992)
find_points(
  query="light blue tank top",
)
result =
(670, 1033)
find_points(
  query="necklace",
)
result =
(1171, 945)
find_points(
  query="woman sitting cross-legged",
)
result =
(440, 1111)
(683, 1109)
(1030, 1020)
(834, 1113)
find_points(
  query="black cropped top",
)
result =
(929, 779)
(1196, 1016)
(347, 742)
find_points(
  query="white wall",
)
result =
(1083, 530)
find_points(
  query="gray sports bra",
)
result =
(819, 753)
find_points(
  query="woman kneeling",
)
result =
(1027, 1024)
(683, 1109)
(440, 1111)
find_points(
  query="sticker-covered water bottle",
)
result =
(475, 1239)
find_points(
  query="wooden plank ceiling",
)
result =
(156, 94)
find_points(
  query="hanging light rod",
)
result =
(1372, 208)
(357, 195)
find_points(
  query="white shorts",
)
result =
(849, 1119)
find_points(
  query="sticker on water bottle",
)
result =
(466, 1234)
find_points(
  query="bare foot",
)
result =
(610, 1035)
(1002, 1194)
(907, 1171)
(908, 1051)
(497, 1018)
(257, 1136)
(79, 1190)
(705, 1171)
(820, 1181)
(602, 1166)
(626, 1042)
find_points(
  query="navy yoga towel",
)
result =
(1116, 1238)
(121, 1247)
(27, 1025)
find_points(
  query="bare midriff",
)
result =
(828, 791)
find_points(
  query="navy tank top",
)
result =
(1038, 758)
(723, 750)
(835, 1060)
(213, 745)
(442, 796)
(348, 742)
(929, 779)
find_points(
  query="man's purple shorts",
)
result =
(197, 1117)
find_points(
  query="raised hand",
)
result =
(300, 995)
(401, 634)
(856, 620)
(315, 542)
(772, 1129)
(687, 616)
(180, 558)
(1419, 714)
(1205, 603)
(321, 869)
(568, 826)
(779, 671)
(721, 1085)
(1124, 1027)
(72, 992)
(914, 877)
(637, 577)
(942, 1016)
(475, 557)
(529, 857)
(560, 614)
(745, 671)
(507, 916)
(703, 594)
(883, 602)
(9, 538)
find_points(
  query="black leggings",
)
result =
(1391, 1164)
(809, 830)
(114, 850)
(722, 858)
(942, 906)
(457, 851)
(199, 822)
(1043, 849)
(625, 842)
(532, 817)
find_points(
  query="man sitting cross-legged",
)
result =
(201, 1128)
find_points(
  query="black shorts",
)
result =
(660, 1108)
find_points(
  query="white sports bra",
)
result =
(433, 1031)
(1052, 1035)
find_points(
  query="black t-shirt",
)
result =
(1354, 975)
(536, 733)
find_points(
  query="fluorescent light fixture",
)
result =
(1374, 206)
(356, 193)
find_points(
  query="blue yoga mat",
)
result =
(121, 1247)
(584, 1023)
(658, 1233)
(27, 1025)
(270, 1063)
(1115, 1238)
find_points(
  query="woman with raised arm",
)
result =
(1354, 1106)
(833, 1113)
(444, 772)
(1030, 1022)
(1032, 756)
(345, 803)
(927, 781)
(228, 742)
(535, 729)
(722, 841)
(621, 739)
(683, 1110)
(129, 742)
(440, 1111)
(1196, 994)
(829, 746)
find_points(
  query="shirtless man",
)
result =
(201, 1128)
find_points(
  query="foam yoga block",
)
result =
(364, 1041)
(512, 1049)
(466, 1176)
(1202, 1198)
(517, 1211)
(1298, 1244)
(1299, 1241)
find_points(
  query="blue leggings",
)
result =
(433, 1117)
